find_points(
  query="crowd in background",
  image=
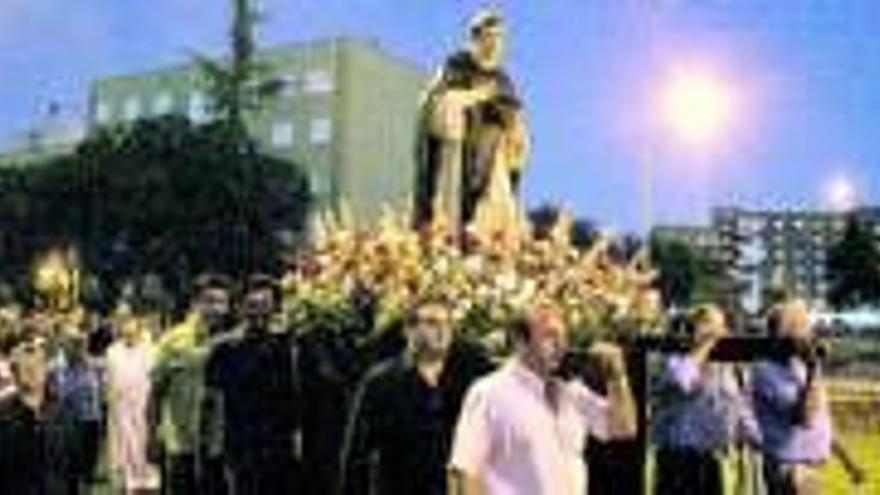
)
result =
(234, 398)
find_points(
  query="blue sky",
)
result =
(806, 75)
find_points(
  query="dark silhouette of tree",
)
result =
(685, 275)
(238, 84)
(854, 267)
(160, 196)
(544, 218)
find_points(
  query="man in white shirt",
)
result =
(522, 429)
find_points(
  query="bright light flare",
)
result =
(841, 193)
(696, 106)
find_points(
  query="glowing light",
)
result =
(841, 194)
(696, 106)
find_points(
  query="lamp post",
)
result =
(692, 107)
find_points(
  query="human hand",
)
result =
(610, 359)
(484, 91)
(814, 399)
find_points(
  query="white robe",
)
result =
(128, 389)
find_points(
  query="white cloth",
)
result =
(7, 380)
(128, 388)
(498, 212)
(511, 440)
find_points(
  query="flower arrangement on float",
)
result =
(345, 272)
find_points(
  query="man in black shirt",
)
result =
(36, 434)
(401, 424)
(252, 380)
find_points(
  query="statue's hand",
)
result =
(484, 91)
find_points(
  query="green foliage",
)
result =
(237, 85)
(156, 196)
(854, 268)
(686, 277)
(582, 232)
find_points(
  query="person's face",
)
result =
(431, 334)
(715, 324)
(488, 44)
(130, 329)
(214, 306)
(547, 341)
(795, 322)
(258, 307)
(30, 360)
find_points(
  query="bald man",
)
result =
(522, 429)
(791, 405)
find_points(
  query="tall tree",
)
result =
(854, 267)
(546, 218)
(686, 275)
(236, 85)
(158, 196)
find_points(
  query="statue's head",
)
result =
(486, 31)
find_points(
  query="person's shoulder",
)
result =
(178, 336)
(220, 347)
(225, 341)
(460, 59)
(383, 371)
(472, 355)
(11, 407)
(493, 383)
(380, 380)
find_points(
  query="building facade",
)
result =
(343, 109)
(53, 134)
(764, 250)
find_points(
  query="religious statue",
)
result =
(472, 140)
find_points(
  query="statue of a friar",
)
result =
(472, 139)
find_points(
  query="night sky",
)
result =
(804, 76)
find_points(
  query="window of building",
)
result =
(163, 104)
(282, 134)
(320, 131)
(319, 81)
(132, 108)
(198, 107)
(103, 112)
(289, 85)
(319, 183)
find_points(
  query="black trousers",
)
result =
(212, 476)
(687, 472)
(87, 447)
(792, 479)
(264, 473)
(179, 475)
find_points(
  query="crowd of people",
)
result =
(359, 372)
(230, 401)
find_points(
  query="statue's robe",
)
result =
(458, 144)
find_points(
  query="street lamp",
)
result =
(692, 105)
(841, 194)
(696, 106)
